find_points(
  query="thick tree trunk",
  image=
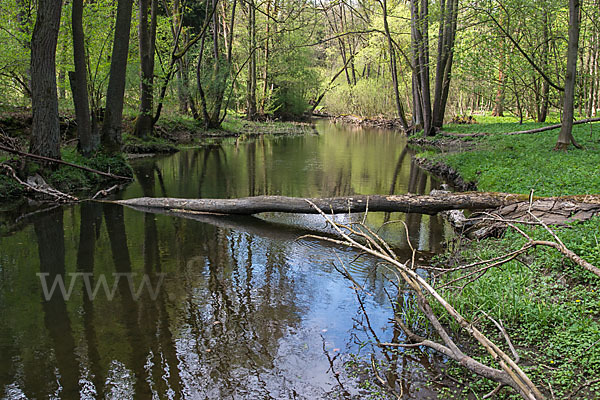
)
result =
(565, 137)
(443, 72)
(410, 203)
(88, 142)
(113, 114)
(45, 140)
(147, 38)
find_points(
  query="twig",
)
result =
(105, 192)
(385, 383)
(506, 337)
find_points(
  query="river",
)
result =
(158, 306)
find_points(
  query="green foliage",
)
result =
(549, 306)
(367, 98)
(73, 179)
(9, 188)
(519, 163)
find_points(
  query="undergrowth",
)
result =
(549, 306)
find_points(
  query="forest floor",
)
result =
(549, 306)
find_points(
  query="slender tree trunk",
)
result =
(545, 86)
(88, 142)
(22, 27)
(251, 83)
(113, 114)
(45, 140)
(265, 76)
(565, 137)
(147, 39)
(499, 105)
(393, 70)
(593, 72)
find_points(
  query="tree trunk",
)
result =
(499, 105)
(420, 34)
(393, 69)
(113, 114)
(251, 83)
(88, 142)
(449, 12)
(545, 86)
(147, 39)
(575, 207)
(265, 76)
(565, 137)
(45, 140)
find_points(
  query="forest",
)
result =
(348, 199)
(420, 63)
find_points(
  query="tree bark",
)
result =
(545, 86)
(565, 137)
(420, 35)
(113, 114)
(443, 72)
(393, 68)
(147, 40)
(88, 142)
(411, 203)
(251, 83)
(499, 105)
(45, 140)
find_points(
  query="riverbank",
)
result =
(549, 306)
(171, 135)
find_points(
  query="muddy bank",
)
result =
(383, 123)
(447, 174)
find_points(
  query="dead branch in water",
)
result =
(510, 373)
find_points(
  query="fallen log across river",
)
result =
(552, 210)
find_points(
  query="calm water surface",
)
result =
(231, 308)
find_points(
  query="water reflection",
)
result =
(245, 309)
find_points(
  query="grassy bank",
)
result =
(519, 163)
(550, 307)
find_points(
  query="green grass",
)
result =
(550, 307)
(520, 163)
